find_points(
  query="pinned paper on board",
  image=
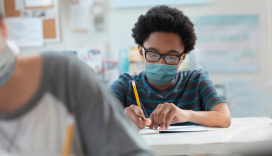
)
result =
(79, 17)
(89, 13)
(26, 32)
(19, 5)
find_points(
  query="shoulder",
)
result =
(126, 78)
(192, 74)
(132, 77)
(67, 69)
(59, 63)
(58, 59)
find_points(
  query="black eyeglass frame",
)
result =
(145, 51)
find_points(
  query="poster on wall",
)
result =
(226, 43)
(93, 58)
(135, 61)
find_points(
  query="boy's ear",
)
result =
(141, 52)
(183, 57)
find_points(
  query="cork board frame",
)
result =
(51, 31)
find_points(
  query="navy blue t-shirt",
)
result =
(191, 90)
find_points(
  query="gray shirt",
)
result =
(68, 85)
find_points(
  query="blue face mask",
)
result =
(7, 64)
(160, 74)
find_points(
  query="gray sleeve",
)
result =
(102, 126)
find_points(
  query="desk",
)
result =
(243, 133)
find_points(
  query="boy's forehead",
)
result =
(163, 41)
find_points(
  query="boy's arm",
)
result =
(215, 112)
(168, 113)
(218, 117)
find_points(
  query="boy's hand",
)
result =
(137, 115)
(168, 113)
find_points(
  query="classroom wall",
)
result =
(121, 22)
(244, 90)
(71, 40)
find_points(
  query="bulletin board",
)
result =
(50, 25)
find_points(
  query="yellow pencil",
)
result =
(136, 94)
(68, 136)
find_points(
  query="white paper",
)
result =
(176, 129)
(38, 3)
(19, 5)
(148, 131)
(79, 17)
(26, 32)
(185, 129)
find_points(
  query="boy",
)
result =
(165, 36)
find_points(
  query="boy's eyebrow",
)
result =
(170, 51)
(151, 48)
(173, 51)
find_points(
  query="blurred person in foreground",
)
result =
(165, 36)
(38, 92)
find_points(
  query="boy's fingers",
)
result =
(129, 111)
(169, 118)
(157, 114)
(137, 120)
(147, 121)
(151, 126)
(138, 111)
(163, 116)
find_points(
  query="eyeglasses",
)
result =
(155, 57)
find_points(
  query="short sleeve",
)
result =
(103, 128)
(207, 92)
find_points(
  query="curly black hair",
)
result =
(165, 19)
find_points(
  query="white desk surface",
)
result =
(243, 133)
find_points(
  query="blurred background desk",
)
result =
(244, 133)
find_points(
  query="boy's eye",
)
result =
(172, 57)
(153, 55)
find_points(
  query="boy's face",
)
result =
(163, 43)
